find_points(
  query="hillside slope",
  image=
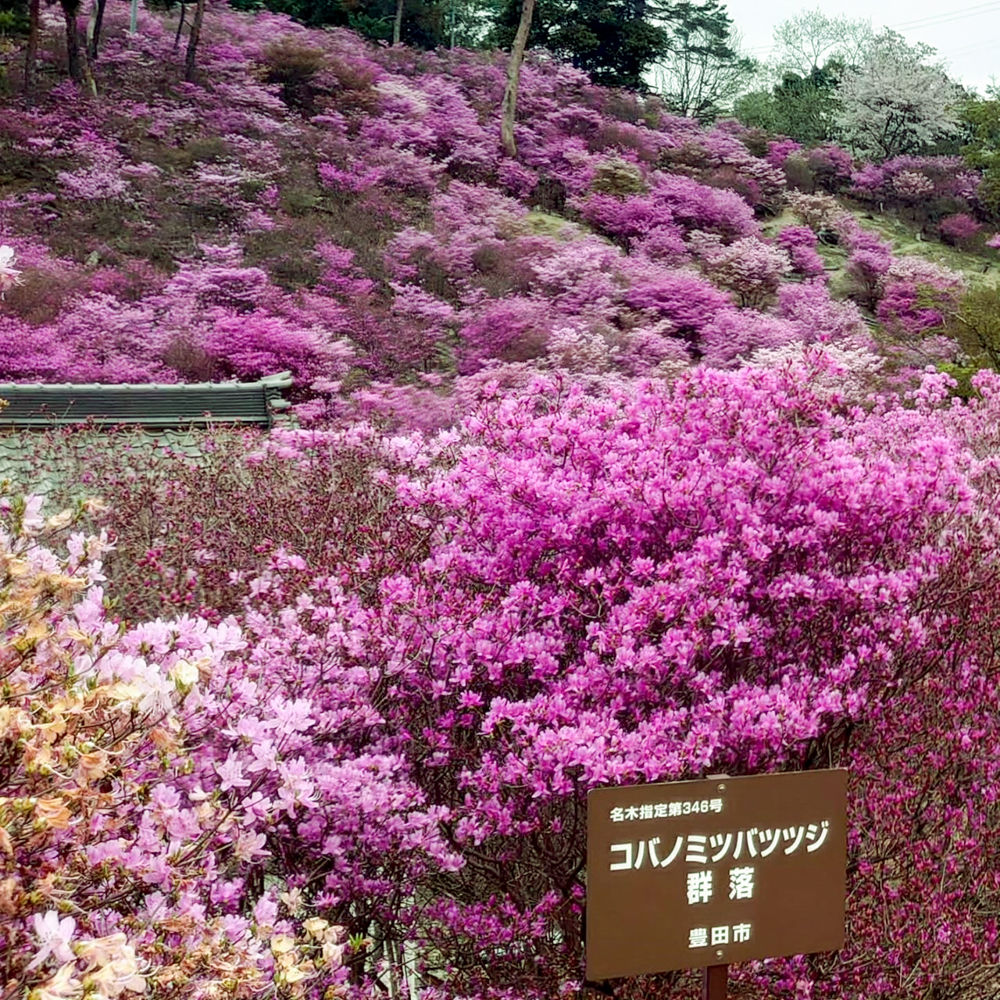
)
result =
(319, 204)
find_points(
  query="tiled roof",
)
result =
(150, 405)
(158, 417)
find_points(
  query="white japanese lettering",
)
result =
(699, 887)
(741, 883)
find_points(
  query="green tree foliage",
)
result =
(615, 41)
(980, 121)
(13, 18)
(975, 324)
(427, 24)
(979, 124)
(802, 107)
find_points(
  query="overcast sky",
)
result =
(966, 33)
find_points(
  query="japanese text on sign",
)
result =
(702, 849)
(664, 810)
(714, 871)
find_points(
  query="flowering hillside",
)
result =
(318, 204)
(634, 457)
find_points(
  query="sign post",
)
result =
(701, 874)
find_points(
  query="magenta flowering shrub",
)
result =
(732, 337)
(918, 294)
(675, 205)
(800, 244)
(908, 177)
(959, 229)
(907, 307)
(780, 149)
(831, 167)
(213, 319)
(683, 300)
(726, 574)
(868, 263)
(696, 206)
(928, 188)
(512, 330)
(719, 156)
(628, 220)
(866, 270)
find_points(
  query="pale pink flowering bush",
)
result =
(102, 813)
(849, 374)
(818, 317)
(818, 211)
(910, 186)
(9, 275)
(748, 267)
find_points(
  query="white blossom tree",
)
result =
(895, 101)
(811, 39)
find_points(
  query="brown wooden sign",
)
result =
(696, 873)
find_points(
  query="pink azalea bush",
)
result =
(732, 571)
(586, 492)
(800, 243)
(959, 228)
(917, 294)
(797, 564)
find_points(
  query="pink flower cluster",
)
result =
(731, 573)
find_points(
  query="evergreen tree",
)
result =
(615, 41)
(13, 17)
(425, 24)
(704, 69)
(803, 107)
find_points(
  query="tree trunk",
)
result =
(95, 28)
(180, 24)
(193, 39)
(31, 52)
(397, 24)
(509, 106)
(76, 55)
(72, 41)
(88, 77)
